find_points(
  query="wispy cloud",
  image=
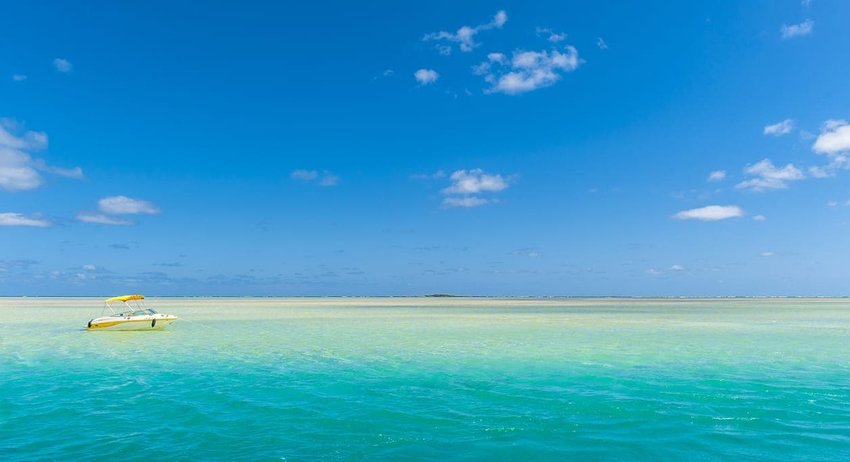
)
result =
(601, 43)
(781, 128)
(550, 34)
(329, 179)
(19, 77)
(767, 176)
(717, 175)
(465, 201)
(325, 179)
(304, 175)
(797, 30)
(62, 65)
(102, 219)
(426, 76)
(465, 36)
(711, 213)
(18, 219)
(19, 171)
(468, 187)
(526, 70)
(527, 252)
(123, 205)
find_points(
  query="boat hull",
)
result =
(112, 323)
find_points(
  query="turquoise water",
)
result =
(413, 379)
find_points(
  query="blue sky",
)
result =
(510, 148)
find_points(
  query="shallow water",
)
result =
(411, 379)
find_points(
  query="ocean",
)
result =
(407, 379)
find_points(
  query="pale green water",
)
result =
(413, 379)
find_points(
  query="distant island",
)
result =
(441, 295)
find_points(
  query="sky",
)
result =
(575, 148)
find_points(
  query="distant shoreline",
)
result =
(496, 297)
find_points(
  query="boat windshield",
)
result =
(137, 312)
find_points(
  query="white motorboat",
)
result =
(128, 312)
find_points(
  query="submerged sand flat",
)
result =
(389, 378)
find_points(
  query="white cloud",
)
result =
(527, 70)
(780, 128)
(711, 213)
(17, 219)
(102, 219)
(19, 77)
(465, 201)
(465, 36)
(821, 172)
(760, 217)
(62, 65)
(426, 76)
(677, 268)
(768, 254)
(717, 175)
(89, 267)
(797, 30)
(19, 171)
(123, 205)
(834, 138)
(474, 181)
(550, 35)
(767, 176)
(601, 44)
(467, 187)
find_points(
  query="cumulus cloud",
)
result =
(62, 65)
(468, 187)
(18, 219)
(797, 30)
(526, 70)
(19, 171)
(717, 175)
(834, 138)
(426, 76)
(102, 219)
(123, 205)
(465, 36)
(767, 176)
(711, 213)
(475, 181)
(780, 128)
